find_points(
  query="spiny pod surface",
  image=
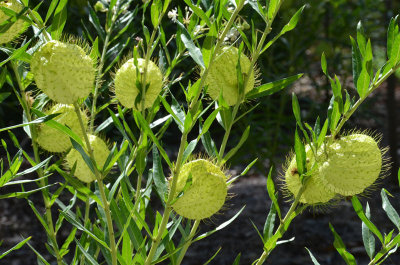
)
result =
(63, 71)
(207, 192)
(126, 77)
(17, 27)
(351, 164)
(100, 152)
(52, 139)
(315, 192)
(222, 75)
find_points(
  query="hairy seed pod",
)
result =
(126, 79)
(82, 171)
(63, 71)
(315, 192)
(207, 192)
(17, 27)
(351, 164)
(222, 75)
(52, 139)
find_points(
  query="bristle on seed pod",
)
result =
(63, 71)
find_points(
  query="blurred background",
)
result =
(325, 26)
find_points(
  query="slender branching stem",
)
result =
(45, 193)
(371, 89)
(281, 228)
(99, 178)
(185, 247)
(173, 183)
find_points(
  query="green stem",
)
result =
(371, 89)
(188, 242)
(99, 179)
(46, 197)
(281, 227)
(193, 104)
(100, 69)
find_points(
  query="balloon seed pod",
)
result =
(82, 171)
(63, 71)
(126, 79)
(53, 140)
(315, 192)
(17, 27)
(207, 193)
(352, 163)
(222, 75)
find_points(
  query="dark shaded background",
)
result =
(324, 26)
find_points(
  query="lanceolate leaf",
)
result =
(390, 211)
(272, 193)
(367, 236)
(360, 212)
(341, 248)
(60, 17)
(193, 50)
(272, 87)
(300, 154)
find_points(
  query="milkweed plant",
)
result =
(135, 82)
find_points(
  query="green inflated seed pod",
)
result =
(315, 192)
(63, 71)
(222, 75)
(17, 27)
(351, 164)
(207, 192)
(126, 77)
(52, 139)
(82, 171)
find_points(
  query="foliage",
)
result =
(109, 216)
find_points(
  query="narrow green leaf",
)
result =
(300, 154)
(363, 82)
(51, 9)
(233, 151)
(219, 227)
(313, 259)
(272, 193)
(356, 60)
(269, 223)
(194, 51)
(324, 64)
(296, 110)
(367, 236)
(272, 87)
(189, 149)
(16, 247)
(145, 126)
(340, 247)
(60, 17)
(389, 209)
(158, 174)
(360, 212)
(273, 9)
(361, 40)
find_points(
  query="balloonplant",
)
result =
(100, 109)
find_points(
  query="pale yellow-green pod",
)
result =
(63, 71)
(53, 140)
(315, 191)
(222, 76)
(351, 164)
(126, 77)
(207, 193)
(17, 27)
(82, 171)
